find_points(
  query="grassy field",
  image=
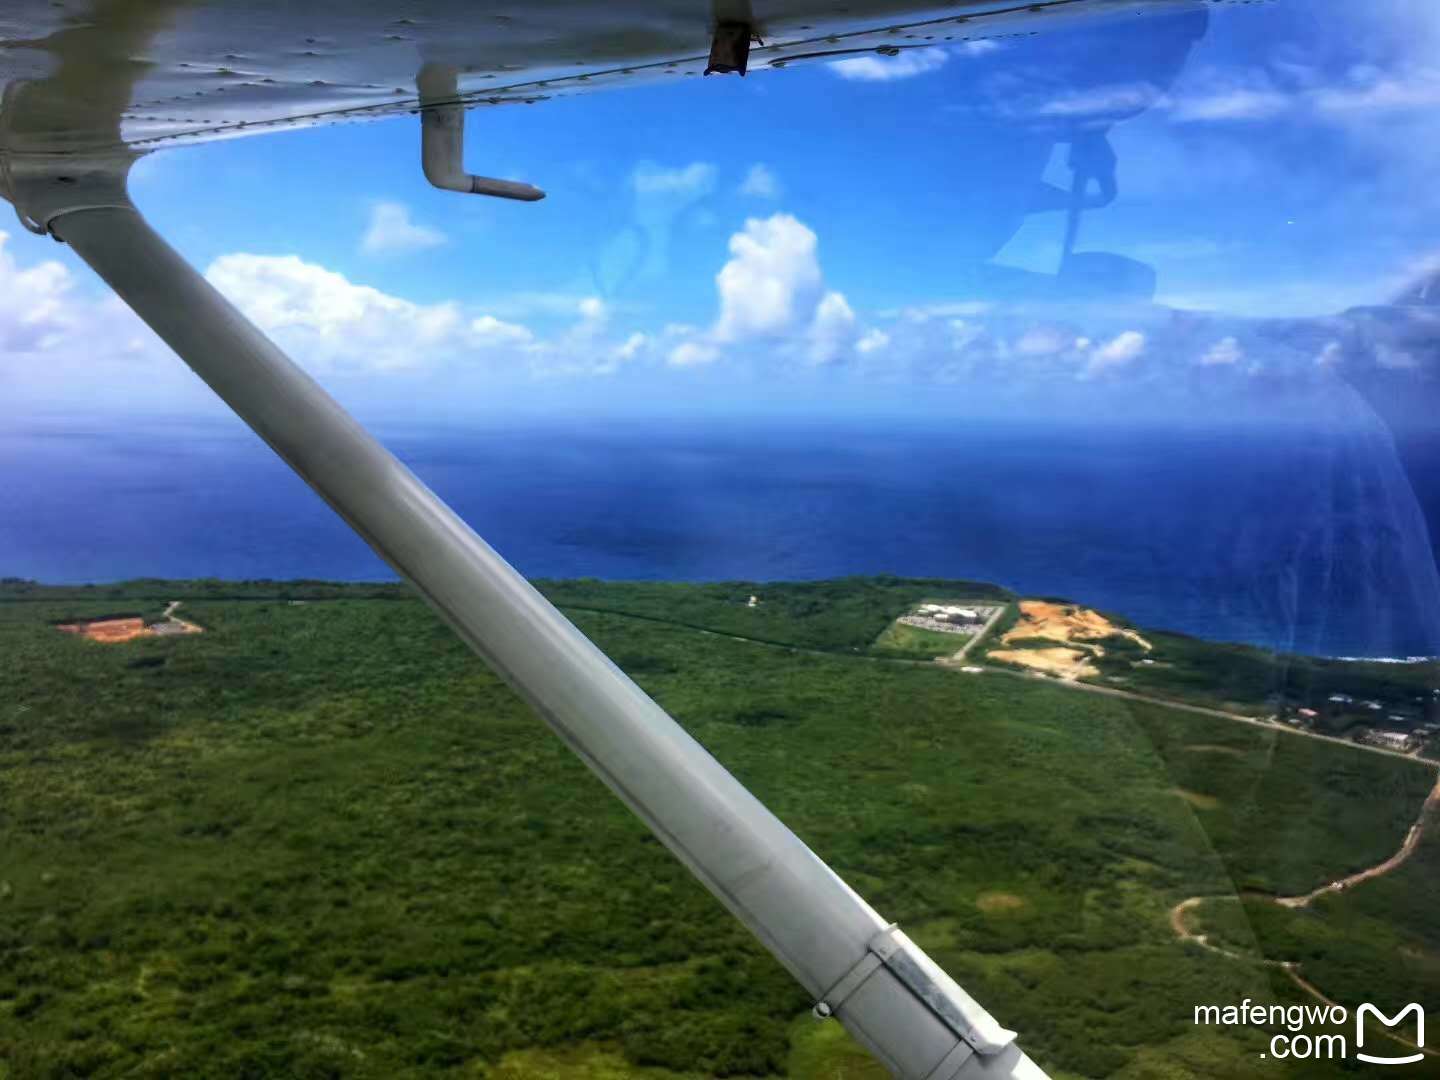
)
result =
(321, 840)
(916, 642)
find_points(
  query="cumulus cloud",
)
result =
(328, 319)
(392, 232)
(771, 292)
(1224, 353)
(772, 274)
(760, 183)
(697, 178)
(1119, 352)
(34, 303)
(333, 324)
(68, 340)
(906, 65)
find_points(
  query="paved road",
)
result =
(959, 657)
(1268, 725)
(950, 663)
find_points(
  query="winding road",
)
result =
(1181, 927)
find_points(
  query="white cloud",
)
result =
(873, 341)
(1043, 341)
(907, 65)
(533, 302)
(1375, 90)
(760, 183)
(1330, 356)
(1118, 352)
(770, 281)
(1100, 101)
(67, 343)
(941, 310)
(697, 178)
(333, 324)
(486, 331)
(35, 303)
(771, 291)
(1231, 104)
(392, 232)
(693, 354)
(631, 347)
(1224, 353)
(328, 319)
(832, 330)
(1221, 97)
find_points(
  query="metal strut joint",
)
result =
(892, 949)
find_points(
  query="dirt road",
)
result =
(1181, 927)
(1202, 710)
(1407, 848)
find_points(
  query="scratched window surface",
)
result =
(1009, 449)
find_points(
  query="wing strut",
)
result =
(875, 980)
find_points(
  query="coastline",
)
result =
(241, 588)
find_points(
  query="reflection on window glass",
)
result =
(1011, 452)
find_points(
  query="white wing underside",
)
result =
(165, 72)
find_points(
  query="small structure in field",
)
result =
(115, 631)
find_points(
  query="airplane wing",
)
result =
(157, 73)
(92, 84)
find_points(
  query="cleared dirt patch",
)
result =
(995, 903)
(118, 631)
(1067, 624)
(1197, 800)
(1067, 664)
(108, 631)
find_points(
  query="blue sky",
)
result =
(832, 237)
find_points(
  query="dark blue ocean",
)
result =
(1319, 542)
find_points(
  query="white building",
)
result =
(1391, 740)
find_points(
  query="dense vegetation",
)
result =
(845, 615)
(1247, 677)
(1378, 942)
(321, 840)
